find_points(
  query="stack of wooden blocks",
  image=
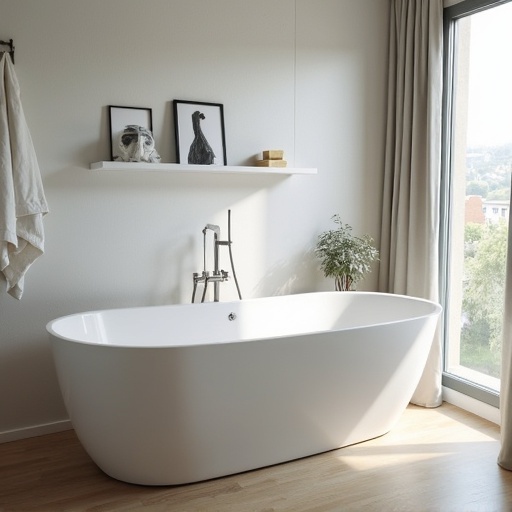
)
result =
(272, 158)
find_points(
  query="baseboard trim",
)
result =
(486, 411)
(37, 430)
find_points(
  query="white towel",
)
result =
(22, 200)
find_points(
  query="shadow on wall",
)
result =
(173, 269)
(299, 274)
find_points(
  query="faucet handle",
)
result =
(200, 277)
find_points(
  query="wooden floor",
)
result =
(434, 460)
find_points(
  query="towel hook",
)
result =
(10, 44)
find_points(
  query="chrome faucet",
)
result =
(218, 276)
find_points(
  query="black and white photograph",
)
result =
(131, 135)
(199, 129)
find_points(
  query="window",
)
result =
(477, 166)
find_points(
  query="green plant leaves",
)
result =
(344, 256)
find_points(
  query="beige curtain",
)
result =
(410, 218)
(505, 456)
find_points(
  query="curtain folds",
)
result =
(505, 455)
(410, 218)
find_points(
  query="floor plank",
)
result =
(440, 459)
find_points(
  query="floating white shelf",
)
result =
(184, 168)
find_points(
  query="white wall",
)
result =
(313, 84)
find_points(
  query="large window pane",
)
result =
(481, 165)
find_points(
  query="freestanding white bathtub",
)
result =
(175, 394)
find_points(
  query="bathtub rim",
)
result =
(436, 311)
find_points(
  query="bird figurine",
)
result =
(200, 151)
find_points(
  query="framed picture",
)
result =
(120, 117)
(199, 129)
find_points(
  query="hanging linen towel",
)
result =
(22, 200)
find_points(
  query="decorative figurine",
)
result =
(136, 144)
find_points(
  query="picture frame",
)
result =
(119, 117)
(199, 131)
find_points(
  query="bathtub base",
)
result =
(203, 412)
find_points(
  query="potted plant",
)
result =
(344, 256)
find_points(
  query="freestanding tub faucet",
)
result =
(218, 276)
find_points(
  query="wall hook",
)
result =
(10, 44)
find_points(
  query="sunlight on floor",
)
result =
(416, 439)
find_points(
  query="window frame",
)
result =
(451, 15)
